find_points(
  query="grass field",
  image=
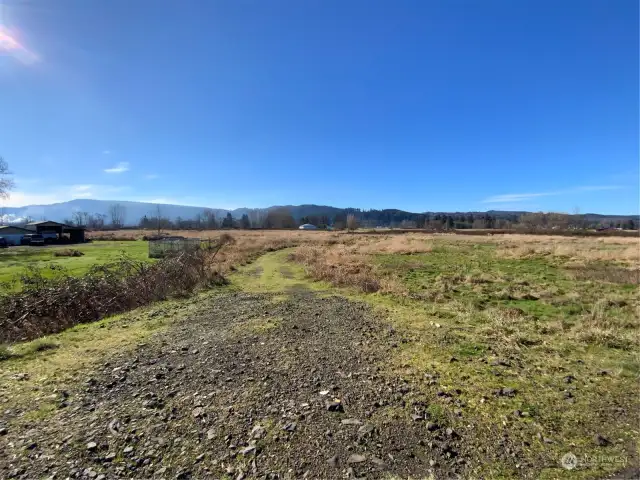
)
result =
(15, 260)
(554, 319)
(520, 342)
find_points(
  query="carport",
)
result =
(12, 234)
(76, 234)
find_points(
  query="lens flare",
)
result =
(10, 45)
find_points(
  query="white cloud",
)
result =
(62, 193)
(21, 199)
(151, 176)
(106, 152)
(11, 218)
(119, 168)
(521, 197)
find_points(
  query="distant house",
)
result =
(308, 226)
(49, 229)
(13, 235)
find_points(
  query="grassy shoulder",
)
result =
(34, 376)
(519, 350)
(14, 260)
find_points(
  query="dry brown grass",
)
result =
(338, 265)
(250, 244)
(622, 250)
(600, 327)
(401, 244)
(247, 244)
(138, 234)
(345, 260)
(68, 252)
(351, 263)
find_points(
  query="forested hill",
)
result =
(99, 213)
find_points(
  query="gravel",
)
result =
(214, 397)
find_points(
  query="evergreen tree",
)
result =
(449, 222)
(228, 221)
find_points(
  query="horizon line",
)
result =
(2, 207)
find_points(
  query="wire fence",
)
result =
(167, 246)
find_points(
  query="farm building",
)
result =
(13, 235)
(308, 226)
(48, 228)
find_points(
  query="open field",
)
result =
(451, 356)
(14, 260)
(257, 235)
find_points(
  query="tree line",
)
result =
(282, 218)
(349, 218)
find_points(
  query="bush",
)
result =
(42, 345)
(68, 252)
(5, 353)
(47, 306)
(351, 271)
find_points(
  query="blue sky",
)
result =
(422, 105)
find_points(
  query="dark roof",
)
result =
(6, 227)
(49, 223)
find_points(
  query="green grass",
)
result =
(468, 307)
(547, 323)
(273, 273)
(54, 363)
(539, 286)
(14, 261)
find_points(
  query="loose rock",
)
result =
(366, 429)
(256, 433)
(351, 421)
(600, 440)
(356, 458)
(197, 412)
(333, 462)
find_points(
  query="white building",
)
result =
(308, 226)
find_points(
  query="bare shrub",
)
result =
(578, 251)
(340, 267)
(5, 353)
(43, 344)
(68, 252)
(112, 237)
(47, 306)
(607, 273)
(352, 222)
(599, 327)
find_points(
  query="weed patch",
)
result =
(68, 252)
(523, 314)
(606, 273)
(46, 306)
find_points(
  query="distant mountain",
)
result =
(134, 211)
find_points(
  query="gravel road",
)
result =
(249, 388)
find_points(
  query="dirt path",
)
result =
(248, 389)
(287, 384)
